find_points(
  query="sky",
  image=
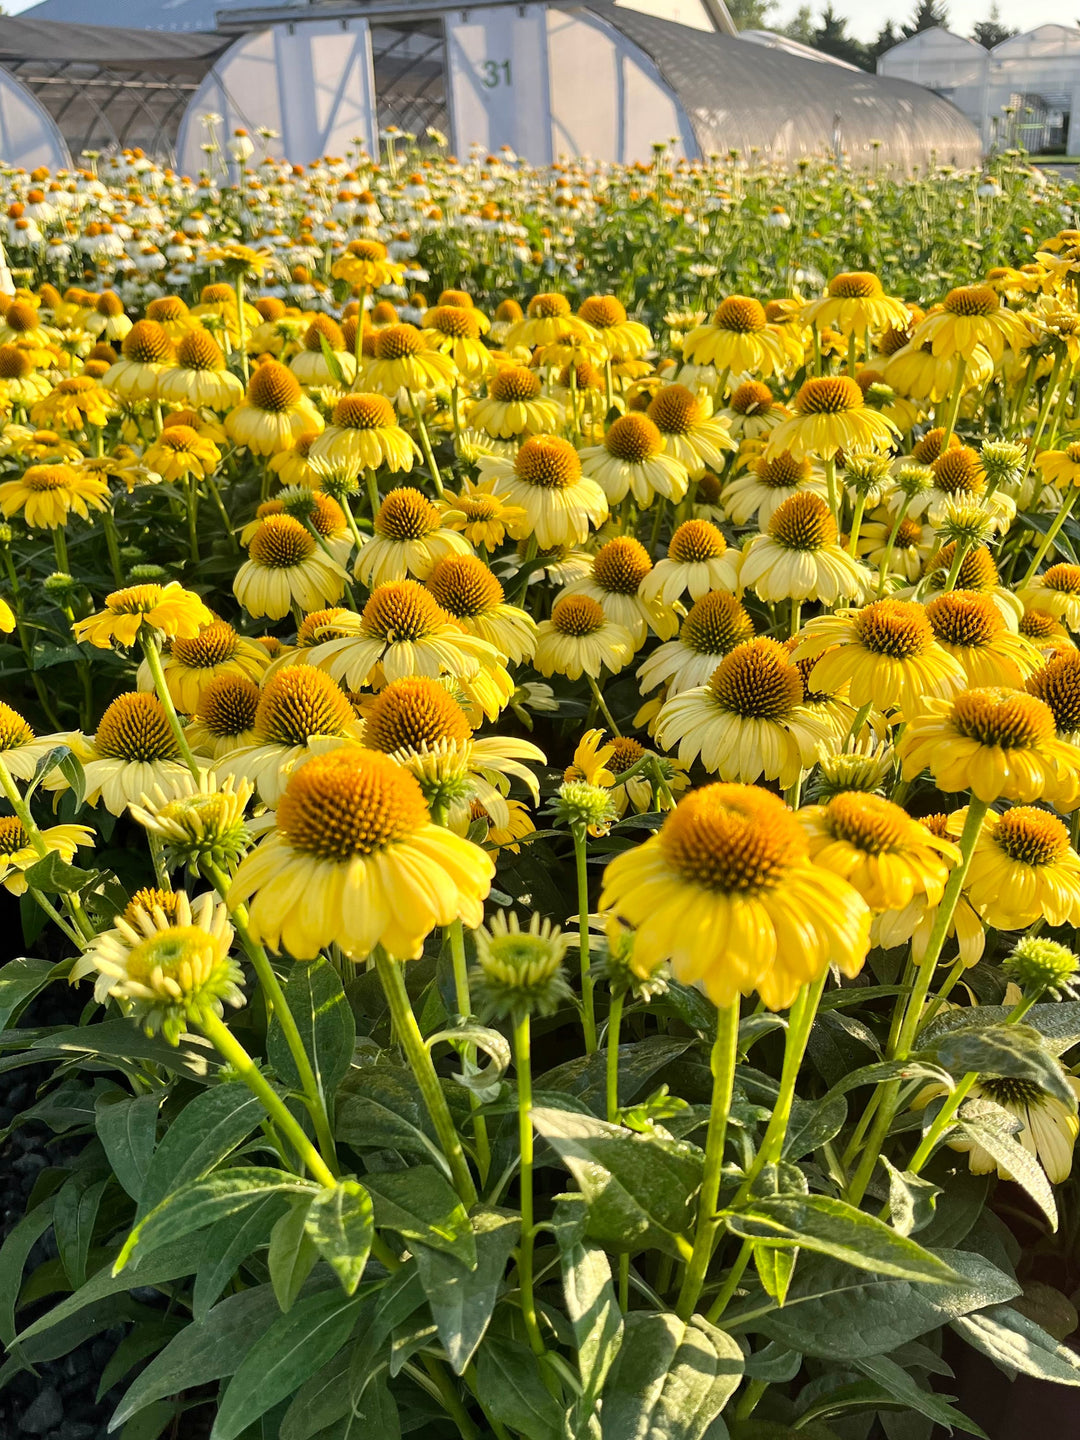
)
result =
(866, 17)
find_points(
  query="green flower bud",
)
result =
(1041, 966)
(520, 972)
(579, 804)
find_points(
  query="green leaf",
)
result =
(14, 1254)
(137, 1346)
(396, 1302)
(832, 1227)
(671, 1378)
(775, 1265)
(899, 1384)
(208, 1129)
(483, 1083)
(206, 1350)
(1014, 1342)
(74, 1217)
(71, 768)
(992, 1127)
(292, 1253)
(152, 1423)
(204, 1202)
(124, 1042)
(834, 1313)
(509, 1387)
(1016, 1051)
(228, 1242)
(287, 1354)
(20, 981)
(639, 1188)
(420, 1204)
(127, 1128)
(379, 1107)
(52, 875)
(462, 1300)
(911, 1199)
(317, 1000)
(592, 1310)
(333, 364)
(341, 1222)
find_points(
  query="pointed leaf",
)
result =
(1014, 1342)
(1003, 1050)
(74, 1216)
(207, 1130)
(893, 1378)
(509, 1387)
(292, 1253)
(911, 1199)
(462, 1300)
(230, 1241)
(341, 1222)
(992, 1127)
(20, 981)
(420, 1204)
(671, 1378)
(127, 1128)
(317, 1000)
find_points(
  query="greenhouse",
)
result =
(546, 79)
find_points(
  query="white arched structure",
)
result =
(28, 134)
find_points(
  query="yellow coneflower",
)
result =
(47, 494)
(914, 922)
(698, 560)
(466, 589)
(515, 405)
(194, 662)
(1060, 467)
(738, 339)
(133, 750)
(916, 371)
(106, 318)
(402, 631)
(548, 319)
(1057, 684)
(972, 315)
(146, 352)
(1045, 632)
(314, 508)
(766, 484)
(579, 639)
(619, 570)
(885, 654)
(853, 303)
(74, 404)
(20, 749)
(180, 452)
(285, 566)
(622, 338)
(748, 721)
(690, 433)
(355, 860)
(293, 467)
(997, 743)
(481, 515)
(973, 630)
(1048, 1126)
(363, 435)
(545, 480)
(170, 609)
(22, 384)
(632, 458)
(310, 365)
(301, 712)
(1023, 869)
(728, 894)
(1056, 591)
(799, 558)
(403, 360)
(456, 331)
(18, 852)
(409, 540)
(752, 411)
(274, 412)
(877, 847)
(911, 546)
(225, 717)
(200, 376)
(174, 316)
(830, 416)
(714, 625)
(366, 266)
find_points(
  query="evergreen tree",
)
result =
(887, 37)
(751, 14)
(801, 26)
(991, 32)
(831, 36)
(929, 14)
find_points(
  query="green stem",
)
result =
(595, 688)
(153, 661)
(392, 978)
(425, 444)
(1050, 536)
(192, 496)
(60, 550)
(523, 1063)
(954, 400)
(890, 1094)
(112, 544)
(856, 523)
(725, 1052)
(230, 1048)
(611, 1068)
(38, 841)
(829, 467)
(588, 1004)
(890, 546)
(463, 1001)
(731, 1282)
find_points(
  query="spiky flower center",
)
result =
(15, 364)
(625, 753)
(1001, 717)
(319, 626)
(675, 410)
(751, 397)
(960, 617)
(454, 321)
(695, 542)
(514, 383)
(213, 645)
(228, 705)
(577, 615)
(406, 514)
(621, 565)
(1031, 835)
(364, 412)
(715, 624)
(397, 342)
(281, 543)
(972, 300)
(855, 285)
(408, 714)
(14, 730)
(465, 586)
(135, 727)
(908, 534)
(757, 681)
(977, 569)
(273, 388)
(927, 450)
(1063, 578)
(199, 351)
(1038, 624)
(1012, 1091)
(602, 311)
(828, 395)
(732, 838)
(401, 610)
(868, 822)
(1057, 684)
(350, 802)
(166, 308)
(12, 835)
(49, 477)
(896, 628)
(370, 250)
(803, 522)
(300, 702)
(323, 328)
(958, 471)
(783, 471)
(740, 313)
(147, 342)
(548, 462)
(548, 307)
(149, 899)
(633, 438)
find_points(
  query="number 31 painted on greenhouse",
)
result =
(494, 73)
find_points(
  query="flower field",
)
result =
(540, 751)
